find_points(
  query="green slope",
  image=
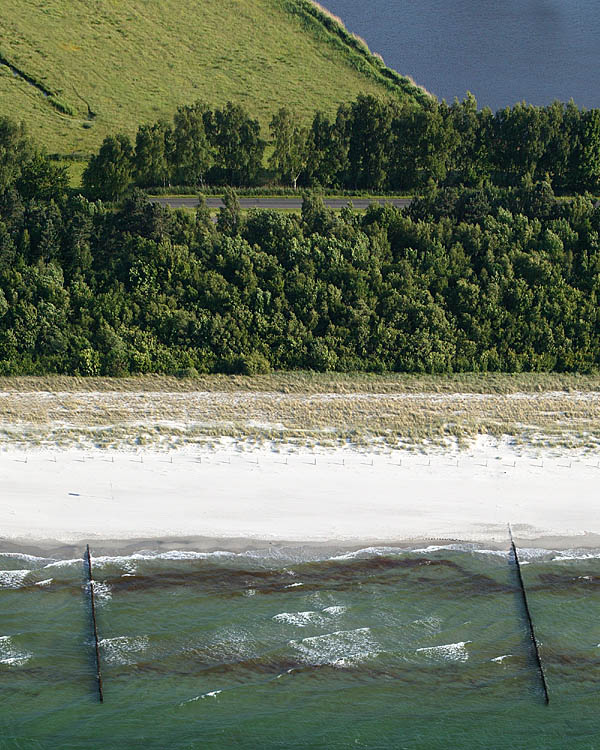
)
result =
(75, 70)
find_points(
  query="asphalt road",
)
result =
(280, 204)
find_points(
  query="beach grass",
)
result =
(315, 382)
(305, 410)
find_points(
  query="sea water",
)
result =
(381, 648)
(502, 51)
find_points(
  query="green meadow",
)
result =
(76, 71)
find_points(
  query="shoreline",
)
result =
(55, 549)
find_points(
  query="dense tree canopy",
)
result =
(371, 145)
(467, 279)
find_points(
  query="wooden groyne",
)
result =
(94, 623)
(534, 641)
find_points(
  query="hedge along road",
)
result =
(279, 204)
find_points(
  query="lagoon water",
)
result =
(503, 52)
(383, 648)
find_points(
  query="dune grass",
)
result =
(93, 67)
(313, 383)
(303, 410)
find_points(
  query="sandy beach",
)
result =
(226, 497)
(298, 460)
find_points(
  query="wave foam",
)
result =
(310, 617)
(542, 555)
(300, 619)
(12, 579)
(335, 611)
(23, 556)
(124, 649)
(10, 655)
(389, 551)
(431, 624)
(64, 563)
(212, 694)
(102, 593)
(370, 552)
(130, 563)
(232, 644)
(447, 652)
(460, 547)
(340, 649)
(576, 554)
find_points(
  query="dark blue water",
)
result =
(503, 51)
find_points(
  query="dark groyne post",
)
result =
(94, 623)
(534, 641)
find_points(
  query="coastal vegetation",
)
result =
(485, 278)
(370, 144)
(303, 411)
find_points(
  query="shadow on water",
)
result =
(566, 583)
(452, 578)
(530, 644)
(448, 576)
(87, 636)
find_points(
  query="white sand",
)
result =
(71, 496)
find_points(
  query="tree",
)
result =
(571, 126)
(109, 173)
(151, 162)
(193, 154)
(15, 150)
(327, 149)
(289, 140)
(316, 217)
(518, 141)
(236, 138)
(229, 219)
(589, 151)
(424, 141)
(369, 141)
(554, 161)
(42, 179)
(469, 161)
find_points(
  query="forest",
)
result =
(468, 278)
(371, 144)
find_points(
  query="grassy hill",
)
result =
(75, 70)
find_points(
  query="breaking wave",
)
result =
(340, 649)
(12, 579)
(447, 652)
(10, 654)
(124, 649)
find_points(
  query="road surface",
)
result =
(279, 204)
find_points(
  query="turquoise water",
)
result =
(376, 649)
(503, 52)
